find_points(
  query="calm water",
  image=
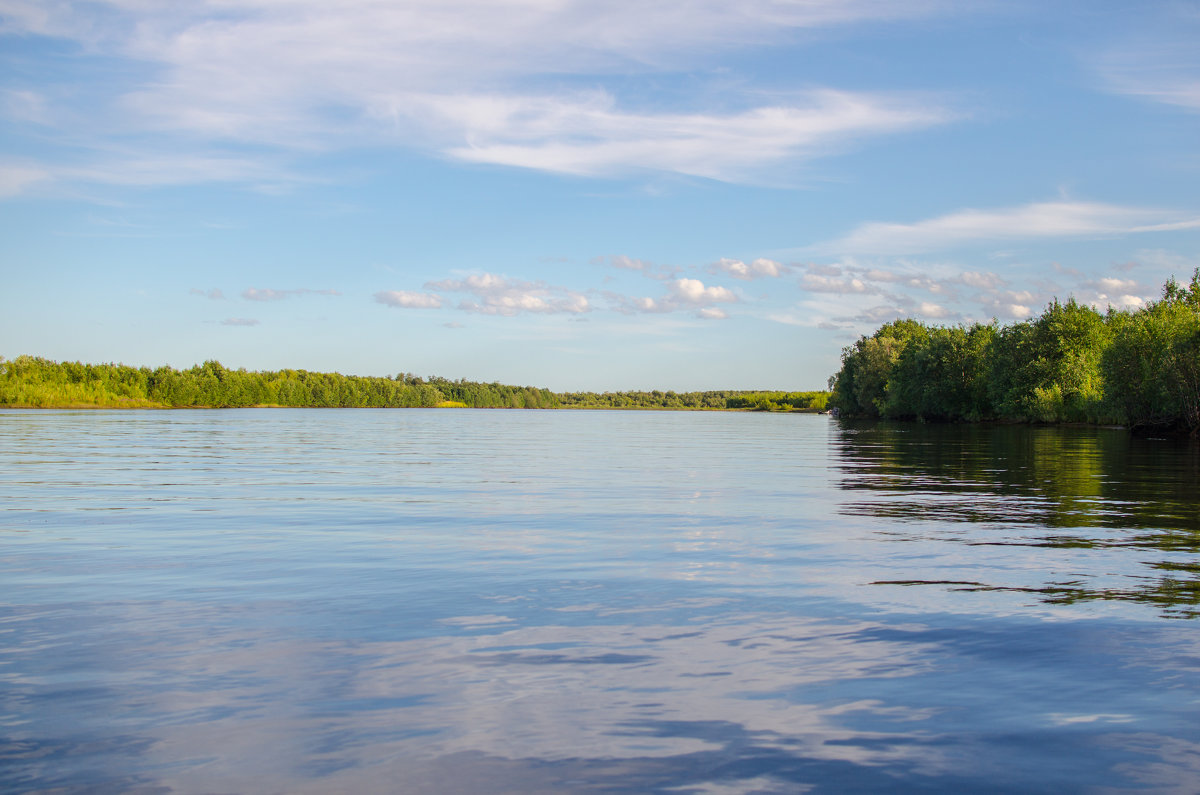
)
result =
(473, 601)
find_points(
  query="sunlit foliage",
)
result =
(1071, 364)
(32, 382)
(28, 381)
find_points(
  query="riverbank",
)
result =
(37, 383)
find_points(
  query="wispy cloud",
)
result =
(1160, 63)
(590, 136)
(239, 321)
(1031, 221)
(215, 294)
(463, 77)
(267, 294)
(644, 267)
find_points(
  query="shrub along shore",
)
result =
(1072, 364)
(32, 382)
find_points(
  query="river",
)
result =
(481, 601)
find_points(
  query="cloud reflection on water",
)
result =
(242, 709)
(1093, 502)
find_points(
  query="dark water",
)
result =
(473, 601)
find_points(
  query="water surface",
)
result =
(505, 601)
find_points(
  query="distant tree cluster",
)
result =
(779, 401)
(678, 401)
(29, 381)
(1139, 368)
(655, 399)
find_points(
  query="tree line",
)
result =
(34, 382)
(29, 381)
(1134, 367)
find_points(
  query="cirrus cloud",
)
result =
(1030, 221)
(463, 78)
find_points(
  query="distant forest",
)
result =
(32, 382)
(1139, 368)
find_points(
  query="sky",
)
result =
(580, 195)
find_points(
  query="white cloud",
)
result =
(933, 311)
(682, 294)
(463, 77)
(239, 321)
(1039, 220)
(1112, 284)
(589, 136)
(693, 291)
(499, 295)
(267, 294)
(758, 269)
(409, 300)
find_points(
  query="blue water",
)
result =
(573, 601)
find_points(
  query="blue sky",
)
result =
(580, 195)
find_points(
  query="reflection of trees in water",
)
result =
(1036, 487)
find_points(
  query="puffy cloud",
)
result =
(758, 269)
(933, 311)
(267, 294)
(405, 299)
(498, 295)
(693, 291)
(1111, 284)
(682, 294)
